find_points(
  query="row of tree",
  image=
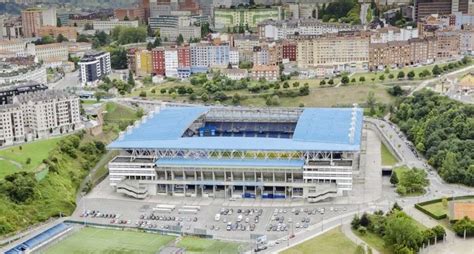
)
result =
(398, 230)
(443, 130)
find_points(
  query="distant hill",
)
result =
(13, 8)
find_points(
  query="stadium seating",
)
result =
(38, 240)
(248, 129)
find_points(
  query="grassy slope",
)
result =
(94, 240)
(387, 157)
(374, 241)
(37, 151)
(200, 245)
(318, 97)
(117, 112)
(333, 242)
(56, 191)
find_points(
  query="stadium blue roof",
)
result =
(254, 163)
(39, 239)
(318, 129)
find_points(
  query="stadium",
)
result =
(234, 152)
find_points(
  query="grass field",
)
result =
(388, 159)
(318, 97)
(117, 112)
(37, 151)
(373, 241)
(94, 240)
(333, 241)
(200, 245)
(436, 208)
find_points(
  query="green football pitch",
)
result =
(95, 240)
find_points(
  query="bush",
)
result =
(464, 225)
(142, 94)
(355, 223)
(362, 230)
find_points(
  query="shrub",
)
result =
(362, 230)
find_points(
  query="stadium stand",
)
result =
(40, 240)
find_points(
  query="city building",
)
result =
(425, 8)
(267, 54)
(49, 53)
(49, 112)
(403, 53)
(268, 72)
(171, 62)
(289, 51)
(235, 74)
(94, 66)
(17, 69)
(230, 152)
(109, 25)
(188, 32)
(158, 61)
(144, 64)
(33, 19)
(344, 51)
(69, 33)
(277, 30)
(459, 209)
(245, 45)
(7, 93)
(37, 115)
(234, 58)
(133, 13)
(16, 46)
(225, 18)
(448, 45)
(171, 27)
(391, 33)
(11, 125)
(205, 55)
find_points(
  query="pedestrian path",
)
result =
(346, 229)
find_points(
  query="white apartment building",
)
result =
(171, 62)
(390, 33)
(16, 46)
(234, 56)
(48, 112)
(277, 30)
(21, 73)
(108, 25)
(54, 52)
(11, 125)
(187, 32)
(94, 66)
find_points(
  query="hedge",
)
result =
(420, 205)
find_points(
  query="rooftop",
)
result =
(317, 129)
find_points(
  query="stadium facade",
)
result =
(225, 152)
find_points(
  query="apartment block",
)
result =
(134, 13)
(205, 55)
(69, 32)
(171, 62)
(108, 25)
(11, 125)
(49, 112)
(277, 30)
(289, 51)
(144, 66)
(94, 66)
(344, 50)
(158, 61)
(425, 8)
(267, 54)
(390, 33)
(229, 18)
(54, 52)
(269, 72)
(33, 19)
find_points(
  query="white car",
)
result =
(217, 217)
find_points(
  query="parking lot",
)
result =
(223, 221)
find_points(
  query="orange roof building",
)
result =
(460, 209)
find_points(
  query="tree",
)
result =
(401, 232)
(149, 46)
(204, 97)
(364, 220)
(401, 75)
(353, 80)
(82, 38)
(126, 18)
(20, 187)
(355, 223)
(394, 178)
(391, 76)
(142, 94)
(118, 58)
(157, 42)
(382, 77)
(444, 201)
(58, 22)
(236, 99)
(395, 90)
(371, 102)
(205, 30)
(131, 80)
(60, 38)
(345, 79)
(464, 225)
(286, 85)
(322, 83)
(411, 75)
(331, 82)
(436, 70)
(362, 79)
(179, 40)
